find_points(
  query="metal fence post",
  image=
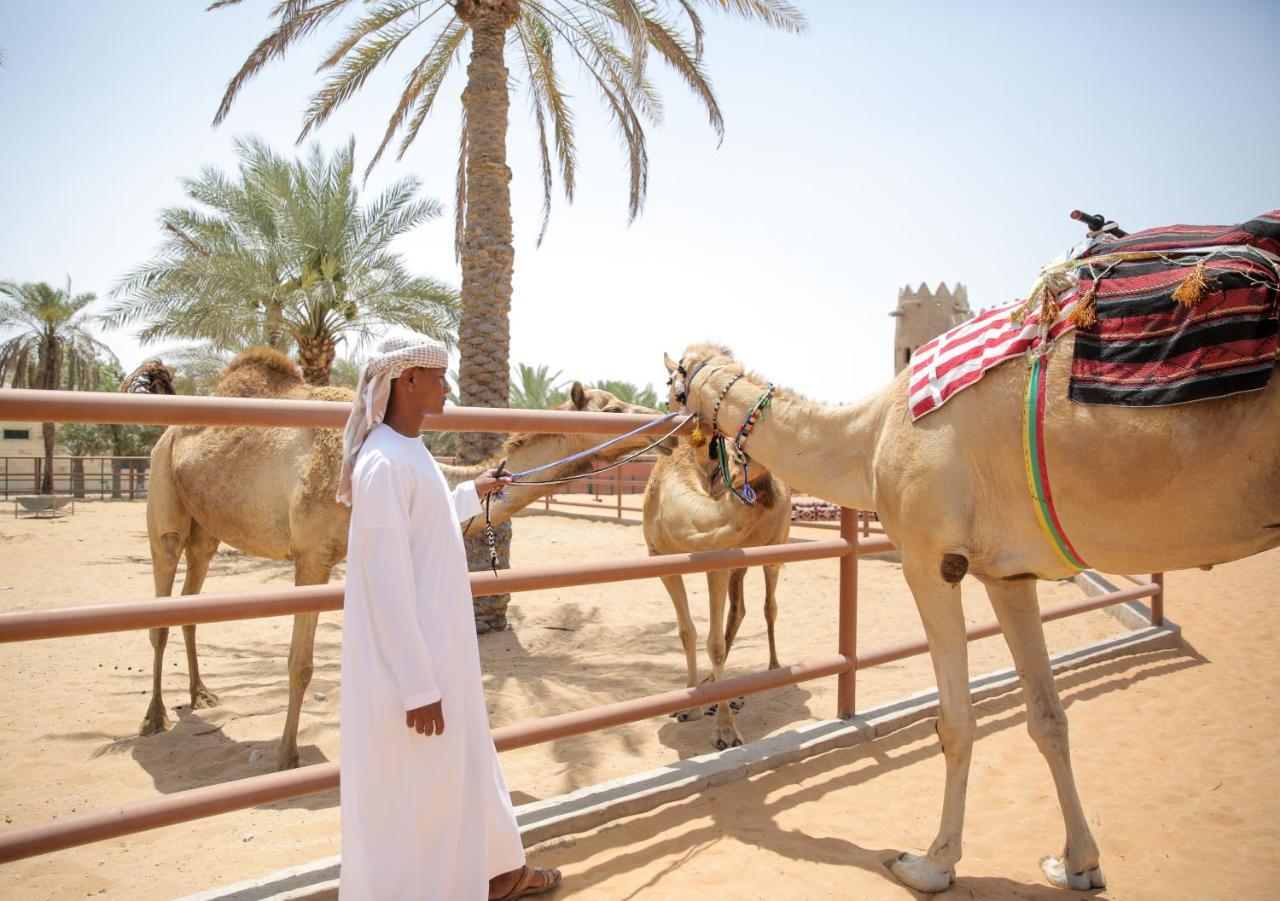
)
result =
(848, 628)
(617, 488)
(1157, 601)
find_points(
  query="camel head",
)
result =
(152, 377)
(597, 400)
(687, 377)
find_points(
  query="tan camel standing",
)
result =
(687, 508)
(1136, 489)
(269, 492)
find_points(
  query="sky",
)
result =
(894, 144)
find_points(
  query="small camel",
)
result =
(269, 492)
(688, 508)
(1137, 489)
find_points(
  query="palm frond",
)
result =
(774, 13)
(422, 85)
(297, 20)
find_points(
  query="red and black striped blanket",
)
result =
(1191, 324)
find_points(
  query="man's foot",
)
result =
(523, 882)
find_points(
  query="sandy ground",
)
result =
(1167, 746)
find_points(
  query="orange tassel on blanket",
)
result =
(1049, 309)
(1193, 287)
(1085, 313)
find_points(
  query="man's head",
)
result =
(420, 388)
(406, 372)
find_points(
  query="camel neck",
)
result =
(816, 449)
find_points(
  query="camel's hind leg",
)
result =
(301, 662)
(1019, 615)
(201, 547)
(737, 612)
(737, 607)
(771, 609)
(725, 733)
(943, 618)
(688, 637)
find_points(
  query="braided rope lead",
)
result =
(521, 477)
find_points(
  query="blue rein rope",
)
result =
(515, 477)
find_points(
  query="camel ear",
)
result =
(670, 363)
(578, 395)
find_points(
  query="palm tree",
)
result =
(591, 33)
(629, 393)
(284, 254)
(534, 387)
(52, 348)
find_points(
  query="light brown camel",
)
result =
(269, 492)
(1136, 489)
(687, 508)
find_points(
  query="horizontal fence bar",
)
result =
(66, 832)
(18, 842)
(203, 608)
(563, 725)
(42, 838)
(147, 409)
(890, 653)
(609, 508)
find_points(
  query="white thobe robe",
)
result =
(423, 817)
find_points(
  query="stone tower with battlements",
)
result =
(923, 315)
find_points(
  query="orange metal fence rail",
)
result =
(147, 409)
(206, 608)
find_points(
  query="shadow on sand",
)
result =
(751, 816)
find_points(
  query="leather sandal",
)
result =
(528, 883)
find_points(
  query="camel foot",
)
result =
(1055, 870)
(726, 737)
(288, 759)
(156, 720)
(915, 871)
(202, 698)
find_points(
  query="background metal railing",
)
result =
(103, 477)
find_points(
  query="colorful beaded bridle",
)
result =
(718, 448)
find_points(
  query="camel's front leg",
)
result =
(301, 660)
(1019, 614)
(725, 733)
(939, 603)
(301, 665)
(164, 567)
(200, 550)
(688, 638)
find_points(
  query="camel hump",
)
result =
(260, 372)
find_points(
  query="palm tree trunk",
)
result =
(488, 258)
(315, 356)
(52, 365)
(46, 480)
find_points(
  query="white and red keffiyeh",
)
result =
(394, 356)
(958, 358)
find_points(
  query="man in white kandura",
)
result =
(425, 810)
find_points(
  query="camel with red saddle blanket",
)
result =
(1136, 490)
